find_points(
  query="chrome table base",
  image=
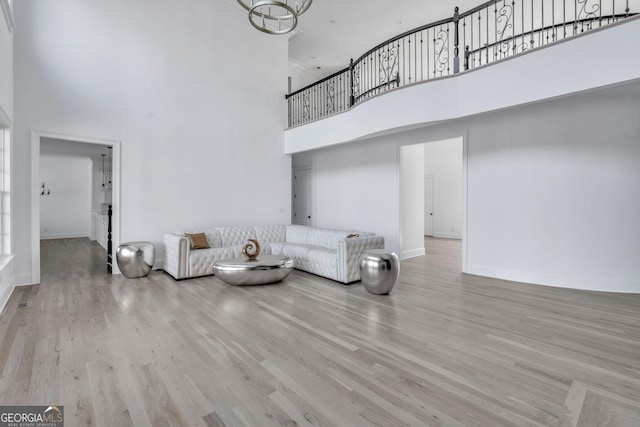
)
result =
(265, 270)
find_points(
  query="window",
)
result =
(7, 9)
(5, 193)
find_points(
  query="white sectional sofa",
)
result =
(328, 253)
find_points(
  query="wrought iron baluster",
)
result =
(409, 66)
(532, 13)
(456, 51)
(466, 57)
(479, 38)
(553, 20)
(415, 58)
(542, 32)
(564, 19)
(487, 39)
(575, 17)
(495, 29)
(428, 74)
(352, 83)
(513, 32)
(464, 38)
(421, 56)
(600, 18)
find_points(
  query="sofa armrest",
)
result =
(349, 251)
(176, 255)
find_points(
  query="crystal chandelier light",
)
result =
(274, 16)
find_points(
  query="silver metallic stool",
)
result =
(379, 270)
(135, 259)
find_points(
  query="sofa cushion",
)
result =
(326, 238)
(214, 239)
(297, 234)
(323, 262)
(198, 240)
(276, 247)
(270, 233)
(236, 235)
(237, 250)
(201, 262)
(213, 236)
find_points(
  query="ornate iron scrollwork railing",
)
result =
(490, 32)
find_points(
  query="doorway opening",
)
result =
(432, 197)
(76, 195)
(303, 196)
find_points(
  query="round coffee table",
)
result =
(263, 271)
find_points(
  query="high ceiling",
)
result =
(333, 31)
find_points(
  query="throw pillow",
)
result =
(198, 240)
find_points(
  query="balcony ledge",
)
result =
(596, 59)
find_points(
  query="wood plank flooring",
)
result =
(443, 349)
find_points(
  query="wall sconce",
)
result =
(44, 191)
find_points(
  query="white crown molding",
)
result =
(8, 15)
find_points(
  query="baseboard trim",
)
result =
(4, 299)
(412, 253)
(7, 284)
(600, 284)
(23, 279)
(63, 236)
(448, 236)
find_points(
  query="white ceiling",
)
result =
(65, 148)
(333, 31)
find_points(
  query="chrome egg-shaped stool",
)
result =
(379, 270)
(135, 259)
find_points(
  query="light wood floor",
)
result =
(442, 349)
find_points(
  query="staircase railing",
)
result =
(493, 31)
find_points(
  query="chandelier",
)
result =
(273, 16)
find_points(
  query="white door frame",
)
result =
(35, 195)
(465, 185)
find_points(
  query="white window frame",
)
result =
(5, 192)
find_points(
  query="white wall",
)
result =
(65, 212)
(97, 195)
(443, 161)
(355, 187)
(191, 90)
(556, 70)
(412, 169)
(553, 189)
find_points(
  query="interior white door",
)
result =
(428, 205)
(302, 197)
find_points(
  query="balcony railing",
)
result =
(493, 31)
